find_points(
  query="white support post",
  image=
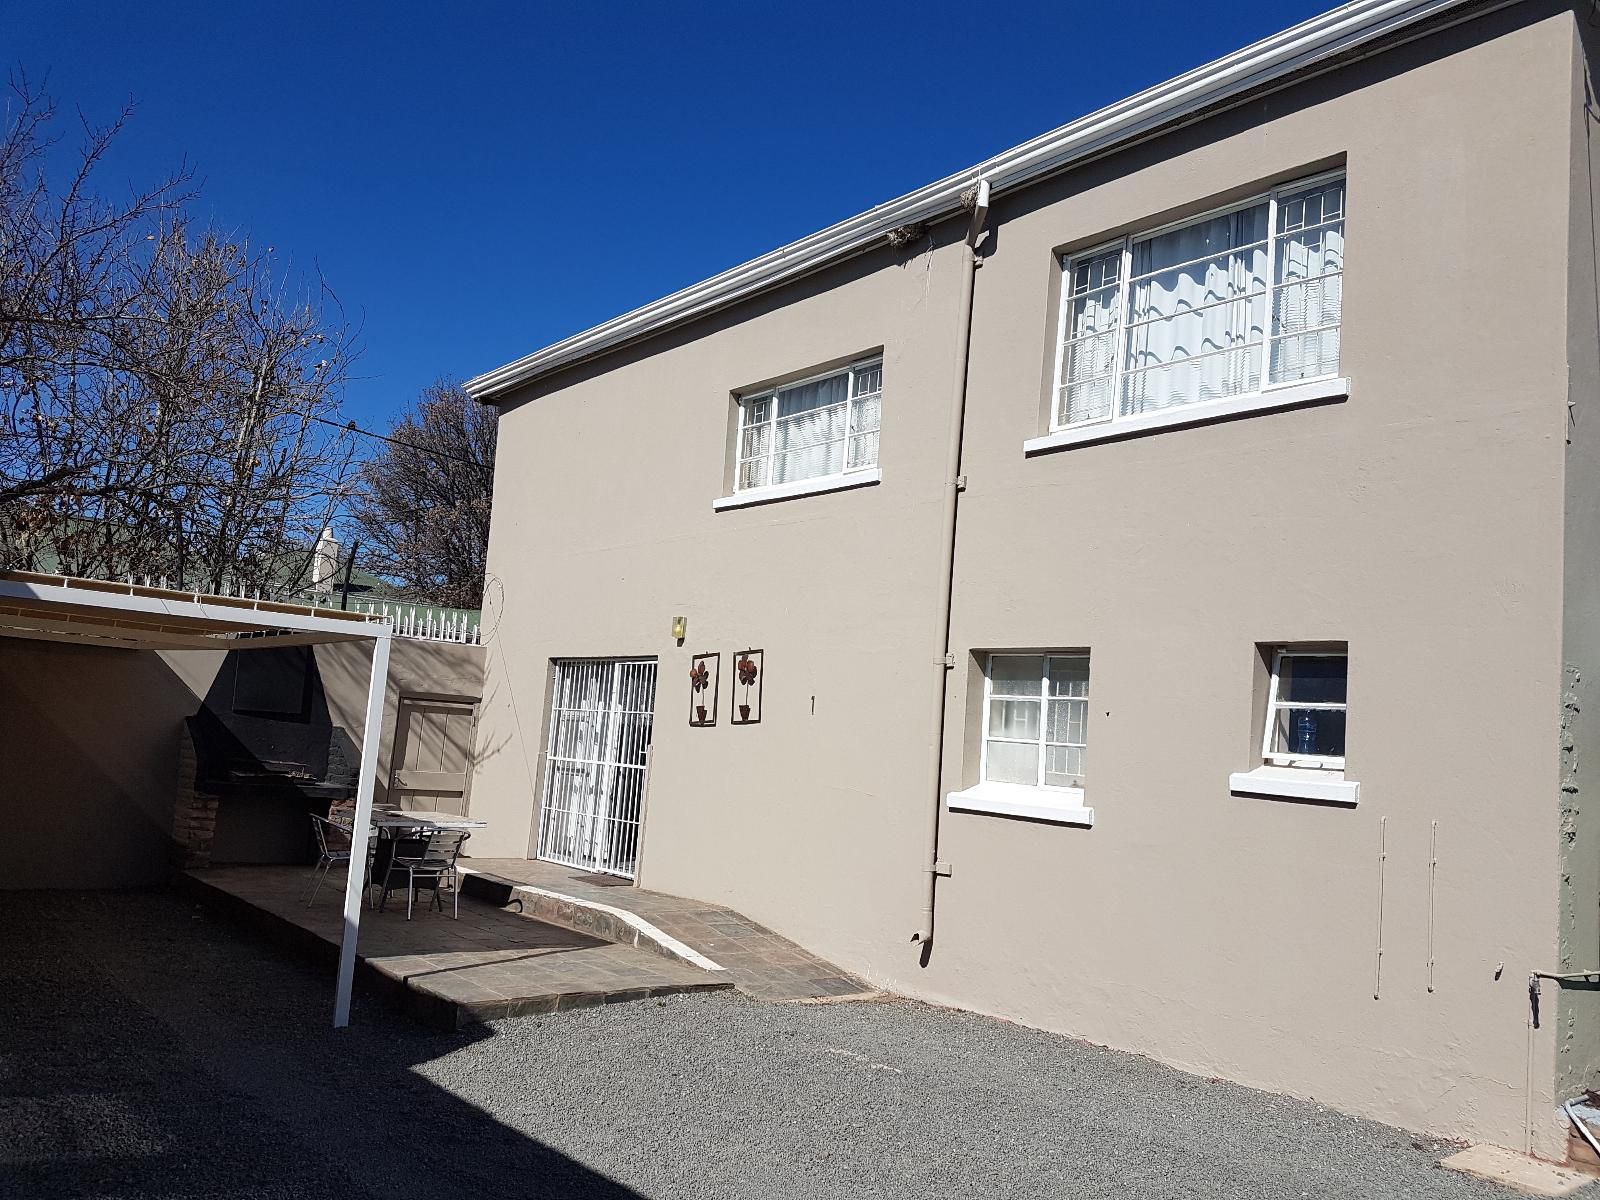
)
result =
(361, 832)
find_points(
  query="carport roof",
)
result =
(130, 616)
(60, 608)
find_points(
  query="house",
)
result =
(1157, 643)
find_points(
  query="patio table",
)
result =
(396, 819)
(392, 824)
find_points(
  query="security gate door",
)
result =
(594, 768)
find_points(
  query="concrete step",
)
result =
(604, 921)
(711, 937)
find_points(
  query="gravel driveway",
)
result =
(149, 1049)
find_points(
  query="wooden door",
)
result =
(432, 754)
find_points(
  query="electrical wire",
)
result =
(352, 427)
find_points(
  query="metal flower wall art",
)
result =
(705, 671)
(749, 672)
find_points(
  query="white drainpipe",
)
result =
(953, 485)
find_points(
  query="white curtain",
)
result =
(1197, 313)
(1089, 353)
(1308, 283)
(808, 438)
(866, 415)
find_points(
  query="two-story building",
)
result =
(1147, 585)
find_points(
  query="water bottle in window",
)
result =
(1305, 732)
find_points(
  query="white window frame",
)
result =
(1169, 415)
(1044, 699)
(1275, 704)
(810, 483)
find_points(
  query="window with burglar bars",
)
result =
(1036, 719)
(1235, 302)
(811, 429)
(1306, 709)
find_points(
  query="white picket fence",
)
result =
(427, 624)
(408, 621)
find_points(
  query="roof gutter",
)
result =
(1333, 33)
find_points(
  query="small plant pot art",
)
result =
(748, 673)
(704, 671)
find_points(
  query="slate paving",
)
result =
(761, 963)
(488, 964)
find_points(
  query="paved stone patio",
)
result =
(487, 964)
(760, 962)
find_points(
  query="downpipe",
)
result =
(953, 484)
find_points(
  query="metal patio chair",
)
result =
(334, 840)
(333, 848)
(427, 858)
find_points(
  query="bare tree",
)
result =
(423, 512)
(73, 271)
(168, 402)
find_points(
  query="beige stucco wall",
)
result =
(416, 668)
(1578, 1028)
(1421, 521)
(88, 738)
(89, 741)
(603, 531)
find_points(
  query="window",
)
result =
(1036, 719)
(1234, 303)
(1306, 709)
(811, 429)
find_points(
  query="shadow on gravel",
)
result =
(150, 1049)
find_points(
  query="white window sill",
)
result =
(1272, 400)
(1063, 806)
(801, 487)
(1296, 783)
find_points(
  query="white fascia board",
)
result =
(1345, 28)
(233, 612)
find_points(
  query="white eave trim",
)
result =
(150, 604)
(1332, 33)
(1061, 806)
(1272, 400)
(1296, 783)
(800, 487)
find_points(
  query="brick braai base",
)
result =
(194, 814)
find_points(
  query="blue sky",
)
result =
(476, 180)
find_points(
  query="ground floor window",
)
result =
(1306, 707)
(1036, 719)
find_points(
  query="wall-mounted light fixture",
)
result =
(680, 628)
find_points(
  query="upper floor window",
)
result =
(1036, 723)
(1306, 709)
(811, 429)
(1233, 303)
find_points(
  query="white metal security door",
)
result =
(594, 768)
